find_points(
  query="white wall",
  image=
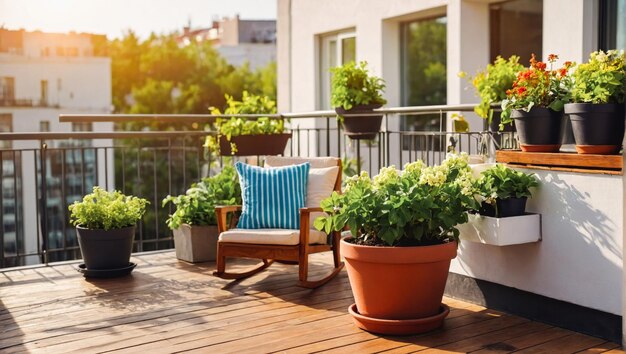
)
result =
(579, 259)
(256, 54)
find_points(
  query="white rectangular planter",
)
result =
(502, 231)
(196, 243)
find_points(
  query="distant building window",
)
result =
(516, 28)
(6, 126)
(612, 22)
(71, 52)
(44, 93)
(7, 90)
(45, 52)
(44, 126)
(82, 127)
(60, 51)
(335, 50)
(423, 70)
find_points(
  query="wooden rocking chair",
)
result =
(286, 246)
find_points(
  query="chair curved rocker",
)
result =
(287, 254)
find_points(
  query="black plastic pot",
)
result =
(511, 207)
(539, 130)
(106, 249)
(598, 128)
(364, 126)
(255, 145)
(505, 208)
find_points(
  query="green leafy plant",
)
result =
(352, 85)
(601, 79)
(107, 210)
(419, 206)
(197, 205)
(538, 87)
(235, 126)
(491, 84)
(501, 182)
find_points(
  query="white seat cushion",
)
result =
(270, 236)
(316, 162)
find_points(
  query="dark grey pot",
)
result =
(108, 249)
(596, 125)
(539, 130)
(366, 126)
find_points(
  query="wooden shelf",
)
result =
(563, 161)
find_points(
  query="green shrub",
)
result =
(501, 182)
(351, 85)
(197, 205)
(235, 126)
(107, 210)
(601, 79)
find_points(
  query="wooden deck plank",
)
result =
(167, 305)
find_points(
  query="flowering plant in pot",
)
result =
(354, 91)
(194, 222)
(535, 102)
(105, 225)
(505, 191)
(597, 108)
(404, 236)
(491, 85)
(248, 136)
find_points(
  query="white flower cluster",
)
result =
(387, 175)
(362, 178)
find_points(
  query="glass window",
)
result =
(44, 93)
(612, 22)
(423, 53)
(336, 49)
(7, 89)
(44, 126)
(516, 28)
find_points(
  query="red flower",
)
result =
(552, 57)
(562, 71)
(541, 66)
(521, 90)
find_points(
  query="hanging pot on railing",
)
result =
(254, 145)
(359, 122)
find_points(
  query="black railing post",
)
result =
(327, 136)
(43, 222)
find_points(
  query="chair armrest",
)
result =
(221, 212)
(309, 210)
(305, 224)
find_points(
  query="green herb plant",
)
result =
(352, 85)
(236, 126)
(501, 182)
(107, 210)
(601, 79)
(492, 82)
(197, 205)
(419, 206)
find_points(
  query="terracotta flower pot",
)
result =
(398, 283)
(366, 126)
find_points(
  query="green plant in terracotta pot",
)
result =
(105, 225)
(597, 108)
(355, 94)
(535, 102)
(194, 221)
(238, 135)
(404, 236)
(506, 191)
(491, 85)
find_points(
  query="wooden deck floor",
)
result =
(169, 306)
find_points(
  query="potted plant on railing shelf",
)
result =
(404, 236)
(194, 221)
(491, 85)
(355, 94)
(243, 136)
(505, 190)
(535, 102)
(597, 111)
(105, 225)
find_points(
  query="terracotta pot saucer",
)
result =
(399, 327)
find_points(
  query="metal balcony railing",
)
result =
(43, 173)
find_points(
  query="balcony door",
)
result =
(335, 50)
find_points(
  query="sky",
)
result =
(113, 17)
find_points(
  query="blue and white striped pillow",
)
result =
(272, 197)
